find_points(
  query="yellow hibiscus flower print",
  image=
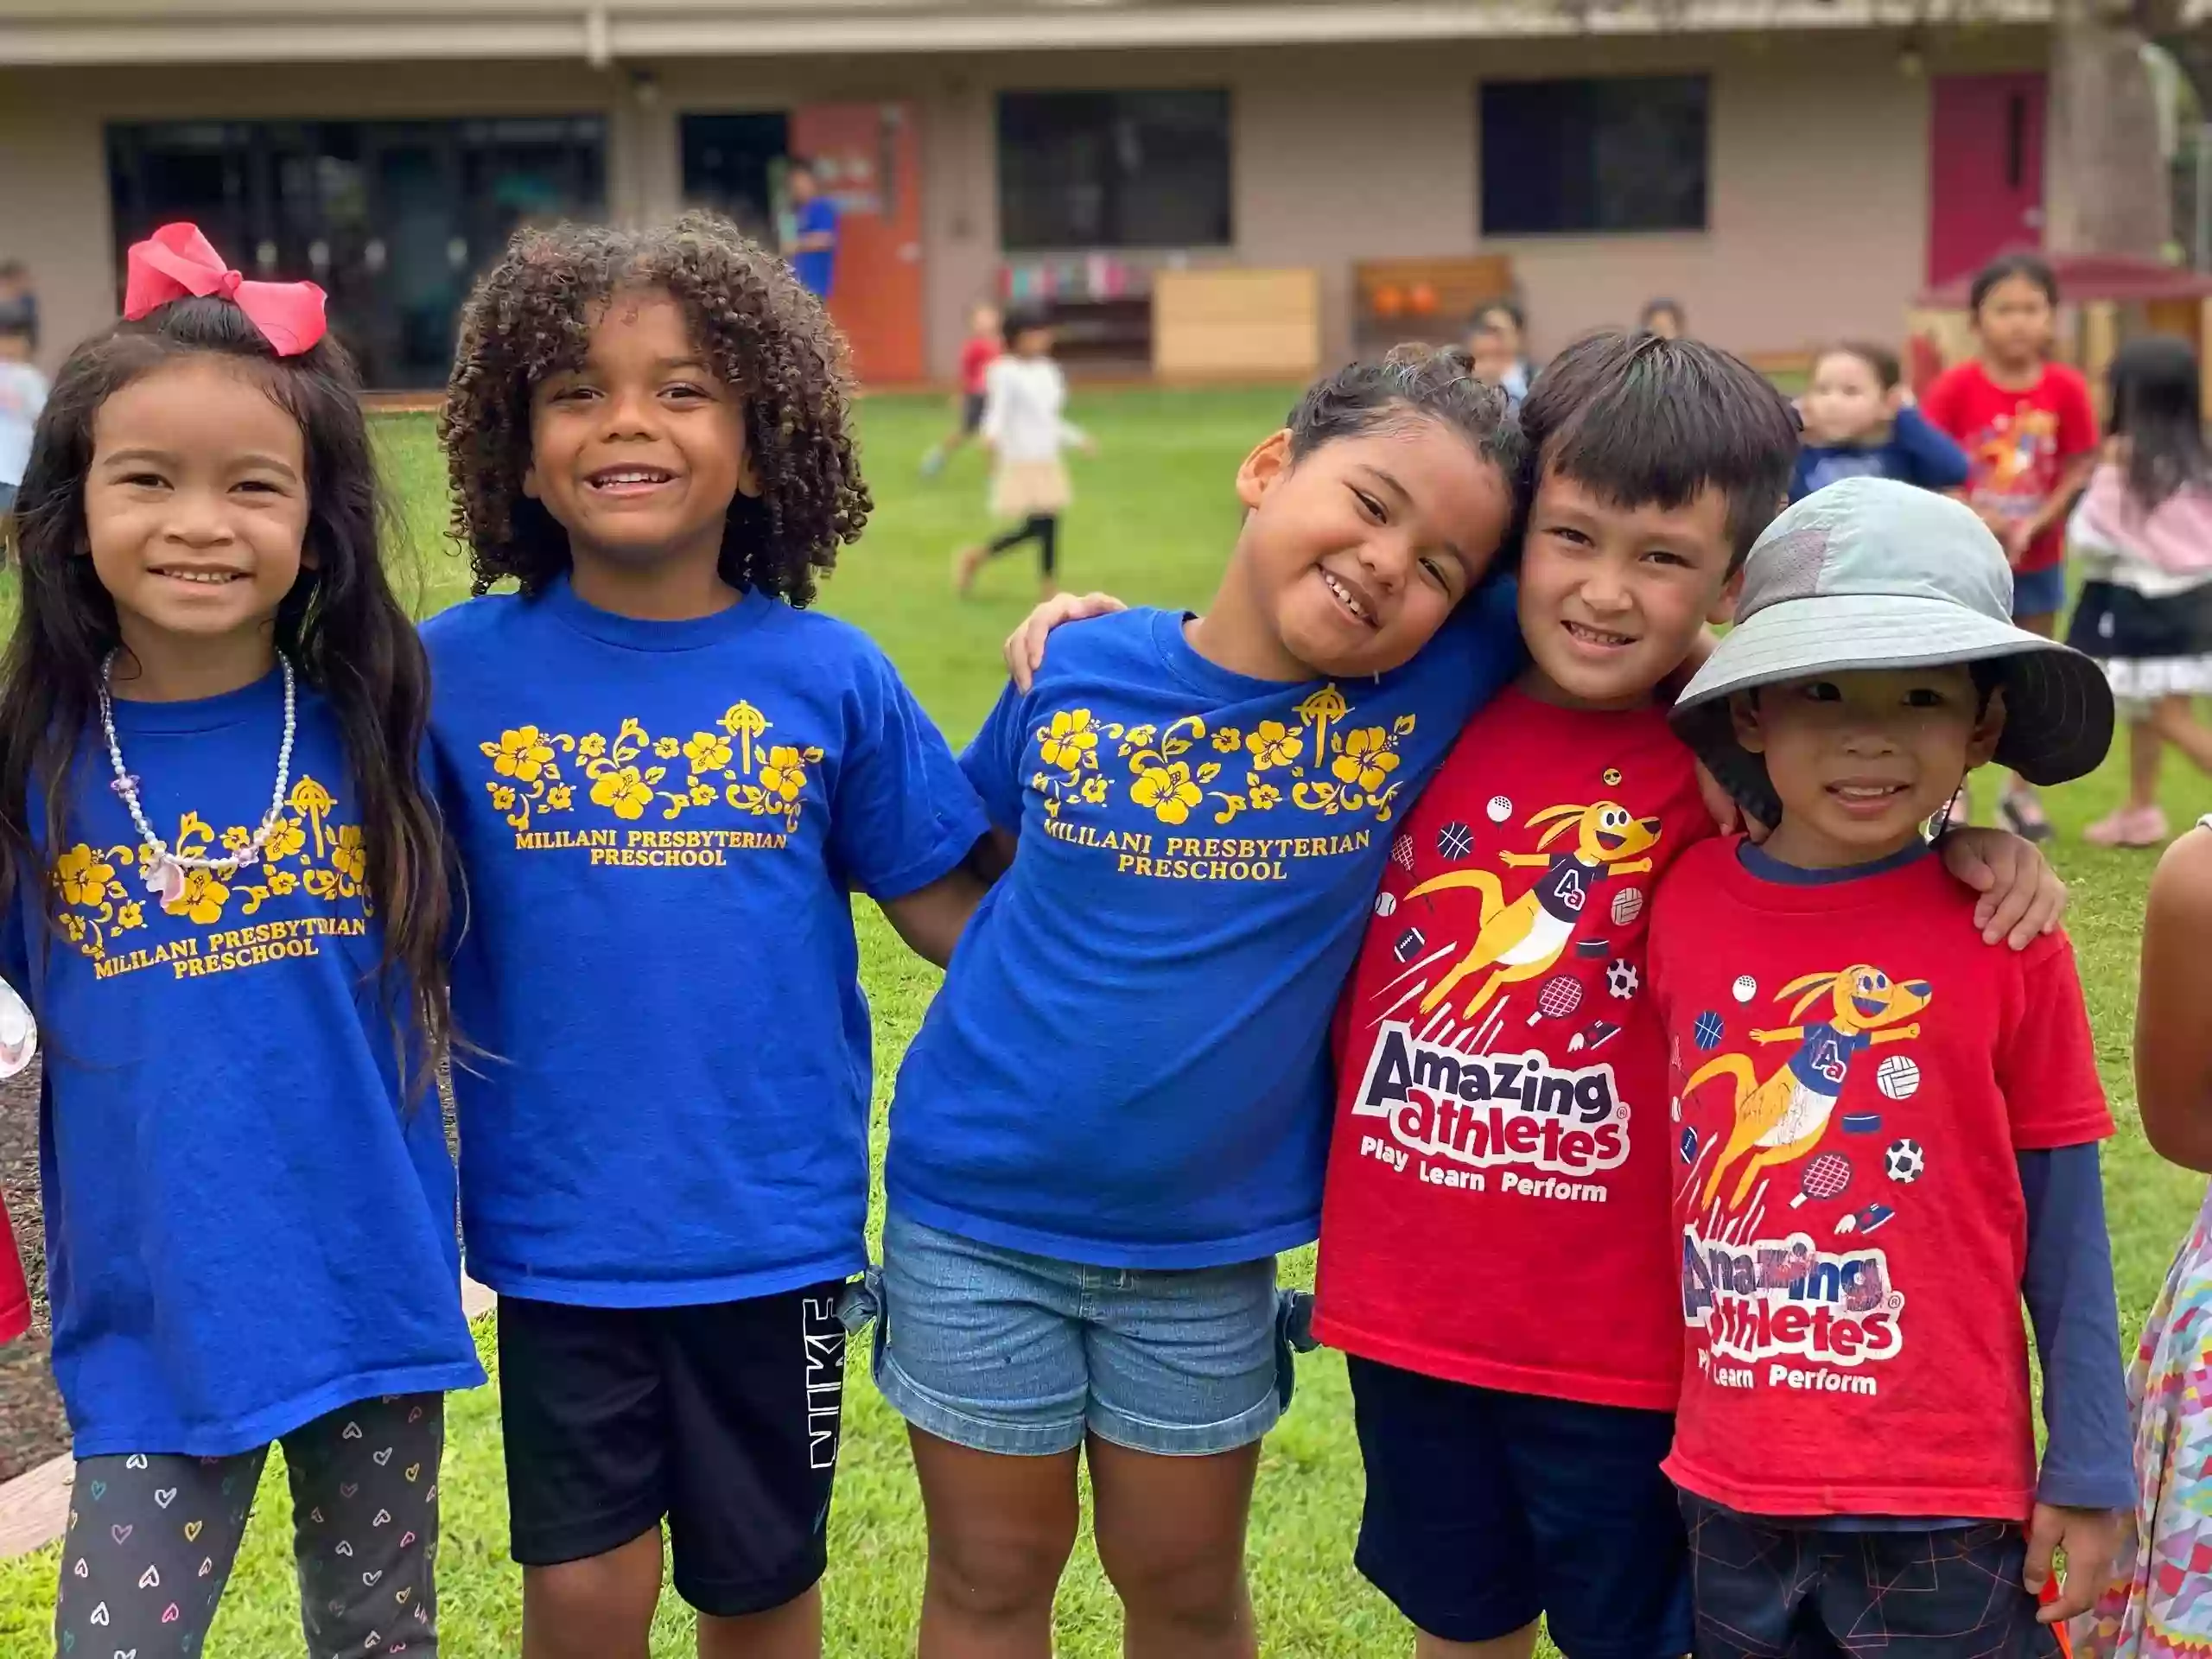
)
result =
(591, 745)
(1071, 742)
(286, 838)
(503, 798)
(129, 916)
(72, 927)
(1273, 744)
(1168, 790)
(202, 899)
(237, 839)
(702, 793)
(83, 876)
(667, 749)
(624, 789)
(706, 752)
(282, 882)
(1226, 741)
(523, 754)
(1263, 796)
(347, 856)
(784, 773)
(560, 798)
(1367, 760)
(1094, 791)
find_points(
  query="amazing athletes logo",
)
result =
(1765, 1297)
(1488, 1110)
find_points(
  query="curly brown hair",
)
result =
(531, 317)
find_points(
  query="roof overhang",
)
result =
(602, 32)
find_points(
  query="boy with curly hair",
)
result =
(665, 774)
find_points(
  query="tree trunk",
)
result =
(2108, 188)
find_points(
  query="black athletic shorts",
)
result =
(972, 405)
(723, 1419)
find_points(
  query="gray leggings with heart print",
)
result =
(152, 1537)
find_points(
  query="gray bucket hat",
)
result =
(1871, 574)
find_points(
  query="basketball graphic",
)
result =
(1745, 988)
(1385, 904)
(1561, 996)
(1707, 1030)
(1825, 1177)
(1899, 1076)
(1455, 841)
(1628, 905)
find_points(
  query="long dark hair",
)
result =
(531, 316)
(2154, 387)
(344, 631)
(2033, 266)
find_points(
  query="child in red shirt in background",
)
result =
(1496, 1256)
(2030, 437)
(1886, 1134)
(977, 352)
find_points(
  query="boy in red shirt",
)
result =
(1496, 1256)
(1885, 1135)
(977, 352)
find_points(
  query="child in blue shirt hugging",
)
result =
(1117, 1110)
(1861, 423)
(666, 777)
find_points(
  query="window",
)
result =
(1615, 154)
(1114, 170)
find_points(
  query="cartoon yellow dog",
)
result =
(1783, 1118)
(1523, 939)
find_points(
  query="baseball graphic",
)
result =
(1385, 904)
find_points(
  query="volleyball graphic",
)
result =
(1905, 1161)
(1745, 988)
(1825, 1176)
(1899, 1076)
(1385, 904)
(1500, 808)
(1561, 995)
(1628, 905)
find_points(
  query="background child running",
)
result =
(2030, 439)
(977, 352)
(1025, 394)
(667, 776)
(1502, 356)
(22, 395)
(1196, 811)
(248, 1198)
(2143, 535)
(1513, 1463)
(1868, 1097)
(2157, 1606)
(1860, 423)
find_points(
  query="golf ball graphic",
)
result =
(1745, 988)
(1500, 808)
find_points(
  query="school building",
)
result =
(1786, 170)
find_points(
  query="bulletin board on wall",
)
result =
(1236, 324)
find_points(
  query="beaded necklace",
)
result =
(163, 869)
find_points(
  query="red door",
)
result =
(868, 158)
(1985, 147)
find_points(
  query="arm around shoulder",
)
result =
(2173, 1034)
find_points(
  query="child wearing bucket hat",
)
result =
(1887, 1134)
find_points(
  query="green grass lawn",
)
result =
(1155, 519)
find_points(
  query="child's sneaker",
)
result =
(2130, 826)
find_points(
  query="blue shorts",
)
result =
(1485, 1509)
(2039, 593)
(1769, 1589)
(1000, 1350)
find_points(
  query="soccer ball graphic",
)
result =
(1905, 1161)
(1620, 978)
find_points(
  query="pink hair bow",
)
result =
(177, 262)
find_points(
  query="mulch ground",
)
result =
(32, 1428)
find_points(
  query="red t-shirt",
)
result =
(15, 1295)
(1496, 1210)
(2017, 443)
(975, 360)
(1854, 1071)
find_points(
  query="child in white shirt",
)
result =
(1023, 397)
(22, 395)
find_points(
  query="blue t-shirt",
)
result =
(1128, 1065)
(817, 268)
(661, 824)
(248, 1223)
(1915, 452)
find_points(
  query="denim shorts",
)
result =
(1000, 1351)
(2039, 593)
